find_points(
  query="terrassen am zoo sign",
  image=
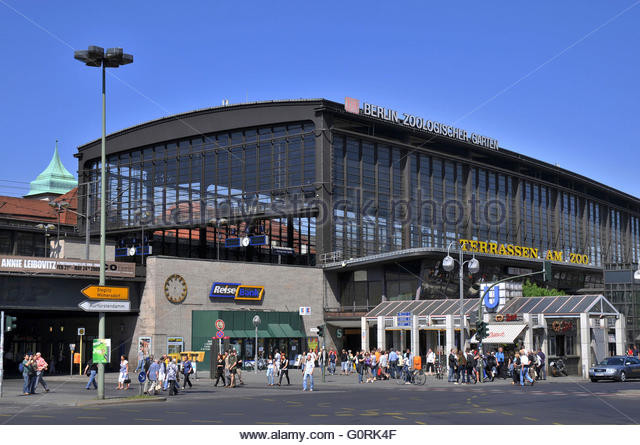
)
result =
(475, 246)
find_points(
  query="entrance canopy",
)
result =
(424, 307)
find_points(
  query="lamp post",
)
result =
(59, 207)
(142, 215)
(448, 263)
(217, 223)
(256, 323)
(46, 228)
(112, 58)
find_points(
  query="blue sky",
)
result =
(557, 81)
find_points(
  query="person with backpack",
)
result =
(90, 370)
(452, 362)
(470, 366)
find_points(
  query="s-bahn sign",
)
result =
(236, 292)
(475, 246)
(409, 120)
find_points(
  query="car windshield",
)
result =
(611, 361)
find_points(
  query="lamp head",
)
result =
(448, 263)
(474, 266)
(636, 275)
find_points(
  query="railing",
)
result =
(331, 257)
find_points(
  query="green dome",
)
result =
(55, 179)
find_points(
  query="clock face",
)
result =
(175, 289)
(245, 241)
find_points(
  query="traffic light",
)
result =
(320, 331)
(10, 323)
(546, 271)
(482, 330)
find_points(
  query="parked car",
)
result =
(619, 367)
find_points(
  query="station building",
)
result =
(328, 210)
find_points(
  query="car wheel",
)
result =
(623, 376)
(594, 380)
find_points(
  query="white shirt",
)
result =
(524, 360)
(431, 357)
(308, 366)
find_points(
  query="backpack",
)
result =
(21, 367)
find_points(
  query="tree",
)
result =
(530, 289)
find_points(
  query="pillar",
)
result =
(415, 338)
(544, 345)
(620, 335)
(528, 335)
(364, 326)
(381, 332)
(403, 340)
(450, 337)
(585, 345)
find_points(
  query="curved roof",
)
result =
(229, 117)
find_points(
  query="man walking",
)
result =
(393, 363)
(524, 370)
(41, 367)
(452, 365)
(500, 359)
(233, 364)
(140, 360)
(309, 366)
(344, 361)
(92, 370)
(172, 377)
(187, 370)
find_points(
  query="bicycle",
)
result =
(414, 376)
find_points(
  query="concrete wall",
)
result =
(286, 289)
(75, 248)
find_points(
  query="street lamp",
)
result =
(112, 58)
(448, 263)
(142, 215)
(256, 323)
(59, 207)
(46, 228)
(217, 223)
(636, 274)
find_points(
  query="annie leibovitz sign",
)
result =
(64, 266)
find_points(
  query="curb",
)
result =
(116, 401)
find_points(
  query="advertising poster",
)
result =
(144, 344)
(313, 343)
(101, 350)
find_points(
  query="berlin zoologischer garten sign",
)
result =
(419, 123)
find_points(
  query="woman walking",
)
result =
(284, 368)
(220, 370)
(123, 378)
(270, 368)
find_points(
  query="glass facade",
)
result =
(258, 181)
(391, 197)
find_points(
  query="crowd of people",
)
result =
(522, 366)
(162, 374)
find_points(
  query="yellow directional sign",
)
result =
(95, 292)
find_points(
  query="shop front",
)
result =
(282, 331)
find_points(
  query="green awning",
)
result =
(230, 333)
(290, 332)
(262, 333)
(276, 330)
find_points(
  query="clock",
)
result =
(245, 241)
(175, 289)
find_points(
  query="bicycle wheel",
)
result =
(401, 377)
(419, 378)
